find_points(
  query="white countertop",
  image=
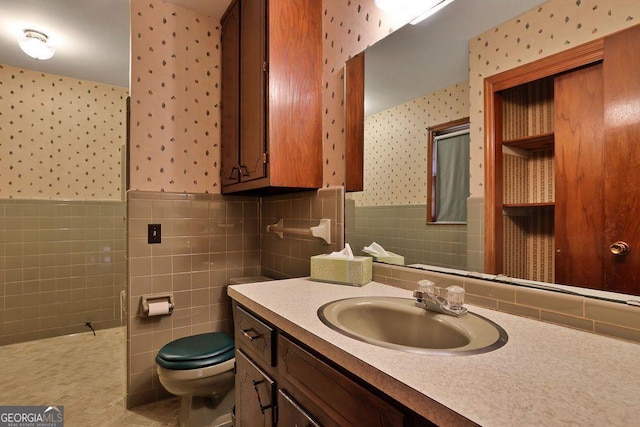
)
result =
(544, 375)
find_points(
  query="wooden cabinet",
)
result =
(562, 147)
(271, 95)
(230, 102)
(301, 387)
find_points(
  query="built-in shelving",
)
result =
(535, 142)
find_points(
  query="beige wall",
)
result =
(60, 138)
(207, 239)
(175, 99)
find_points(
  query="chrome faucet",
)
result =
(429, 296)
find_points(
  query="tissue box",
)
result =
(390, 259)
(355, 271)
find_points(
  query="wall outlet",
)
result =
(154, 234)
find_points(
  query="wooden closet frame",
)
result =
(584, 54)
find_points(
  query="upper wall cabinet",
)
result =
(271, 96)
(562, 153)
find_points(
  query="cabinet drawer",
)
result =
(254, 337)
(330, 396)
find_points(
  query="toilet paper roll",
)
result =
(158, 308)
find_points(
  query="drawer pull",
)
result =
(232, 175)
(255, 336)
(262, 407)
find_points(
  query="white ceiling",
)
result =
(420, 59)
(92, 36)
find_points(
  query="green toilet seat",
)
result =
(196, 351)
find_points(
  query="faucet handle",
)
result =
(455, 297)
(427, 287)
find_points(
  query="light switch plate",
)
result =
(154, 234)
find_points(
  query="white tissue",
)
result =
(345, 253)
(375, 249)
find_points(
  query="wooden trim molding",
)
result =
(354, 123)
(569, 59)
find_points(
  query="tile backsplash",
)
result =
(598, 316)
(62, 263)
(402, 230)
(290, 256)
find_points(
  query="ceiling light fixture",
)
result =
(418, 10)
(36, 44)
(431, 11)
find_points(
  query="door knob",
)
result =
(620, 248)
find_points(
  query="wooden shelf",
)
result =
(528, 205)
(536, 142)
(525, 209)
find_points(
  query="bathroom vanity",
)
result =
(273, 370)
(292, 368)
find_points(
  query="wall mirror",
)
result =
(391, 209)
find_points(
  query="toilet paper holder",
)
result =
(145, 300)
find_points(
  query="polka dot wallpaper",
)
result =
(176, 78)
(550, 28)
(60, 137)
(396, 147)
(349, 26)
(175, 97)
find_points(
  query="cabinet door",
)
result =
(252, 90)
(333, 398)
(230, 125)
(579, 168)
(290, 413)
(255, 394)
(621, 69)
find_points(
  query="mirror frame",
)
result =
(354, 122)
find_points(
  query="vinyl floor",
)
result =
(85, 374)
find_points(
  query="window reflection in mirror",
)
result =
(448, 172)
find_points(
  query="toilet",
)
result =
(200, 369)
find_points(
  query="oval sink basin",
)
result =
(397, 323)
